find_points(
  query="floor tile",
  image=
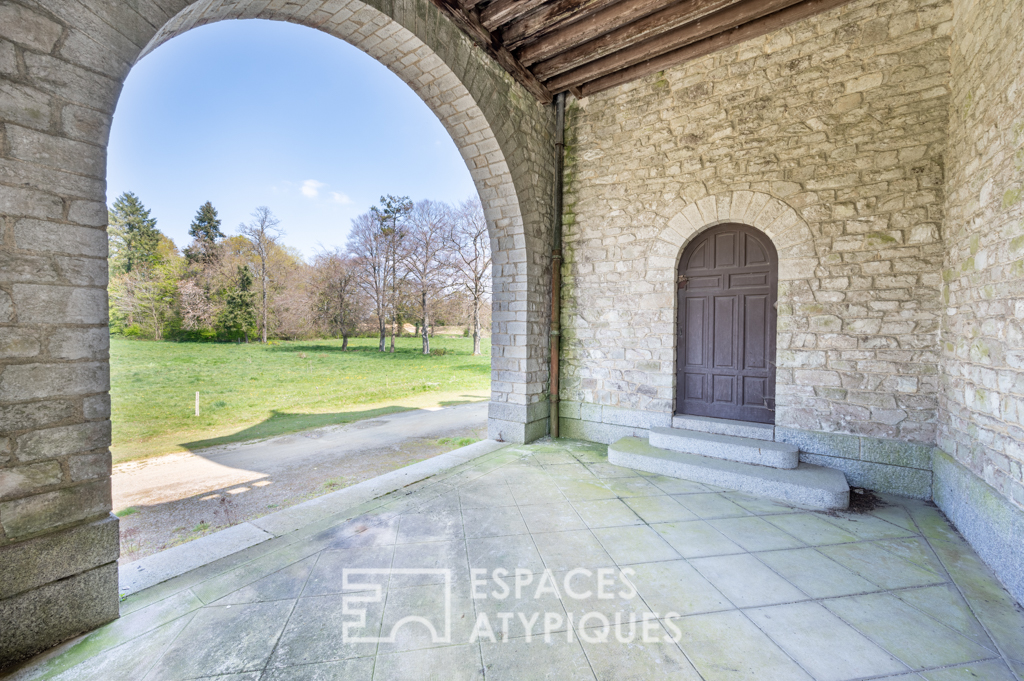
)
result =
(358, 669)
(914, 638)
(585, 490)
(550, 458)
(510, 615)
(451, 663)
(822, 644)
(520, 658)
(224, 640)
(754, 534)
(421, 527)
(570, 550)
(659, 509)
(607, 513)
(362, 532)
(629, 545)
(604, 591)
(537, 492)
(867, 526)
(284, 584)
(449, 556)
(726, 646)
(875, 564)
(815, 574)
(676, 587)
(498, 521)
(711, 506)
(657, 657)
(486, 495)
(993, 670)
(916, 550)
(946, 606)
(429, 604)
(897, 515)
(509, 553)
(810, 529)
(316, 631)
(128, 660)
(746, 582)
(696, 538)
(631, 487)
(328, 573)
(607, 470)
(759, 505)
(677, 486)
(557, 517)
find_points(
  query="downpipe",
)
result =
(556, 262)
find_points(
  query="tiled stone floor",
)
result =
(761, 591)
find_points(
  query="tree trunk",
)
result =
(476, 325)
(382, 327)
(426, 324)
(344, 342)
(264, 306)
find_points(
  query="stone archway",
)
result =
(62, 64)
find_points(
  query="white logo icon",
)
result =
(373, 593)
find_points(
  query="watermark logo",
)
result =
(371, 591)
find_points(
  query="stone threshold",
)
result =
(165, 565)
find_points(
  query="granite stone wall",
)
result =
(62, 63)
(981, 402)
(829, 136)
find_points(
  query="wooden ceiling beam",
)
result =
(468, 22)
(611, 18)
(642, 41)
(503, 11)
(753, 29)
(549, 17)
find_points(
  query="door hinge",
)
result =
(683, 281)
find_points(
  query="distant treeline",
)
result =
(421, 264)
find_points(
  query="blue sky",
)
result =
(250, 113)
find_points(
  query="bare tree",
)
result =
(194, 306)
(470, 247)
(336, 299)
(392, 215)
(428, 268)
(368, 247)
(262, 232)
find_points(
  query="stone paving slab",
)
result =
(588, 571)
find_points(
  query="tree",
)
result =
(238, 315)
(133, 236)
(470, 247)
(430, 223)
(336, 295)
(205, 233)
(368, 248)
(262, 232)
(392, 215)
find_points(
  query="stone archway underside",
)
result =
(62, 63)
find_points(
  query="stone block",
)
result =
(993, 525)
(52, 237)
(896, 452)
(814, 442)
(905, 482)
(60, 304)
(634, 418)
(53, 443)
(35, 414)
(35, 562)
(742, 449)
(72, 343)
(18, 343)
(20, 481)
(38, 513)
(568, 409)
(96, 407)
(30, 29)
(23, 382)
(703, 424)
(43, 617)
(94, 466)
(23, 105)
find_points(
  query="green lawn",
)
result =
(254, 391)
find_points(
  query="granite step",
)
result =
(706, 424)
(730, 447)
(807, 485)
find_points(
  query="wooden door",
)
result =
(725, 350)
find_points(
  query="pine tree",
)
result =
(239, 314)
(134, 238)
(205, 231)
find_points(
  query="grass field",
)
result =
(253, 391)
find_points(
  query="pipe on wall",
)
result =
(556, 261)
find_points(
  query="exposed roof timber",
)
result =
(717, 42)
(468, 20)
(553, 15)
(643, 40)
(599, 23)
(503, 11)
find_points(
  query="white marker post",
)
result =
(197, 403)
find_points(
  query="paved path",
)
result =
(232, 483)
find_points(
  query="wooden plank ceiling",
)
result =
(585, 46)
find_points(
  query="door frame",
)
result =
(773, 312)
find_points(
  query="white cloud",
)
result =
(311, 188)
(338, 197)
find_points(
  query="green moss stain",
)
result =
(570, 170)
(965, 110)
(975, 243)
(948, 275)
(879, 239)
(967, 265)
(1011, 197)
(660, 83)
(945, 294)
(1017, 269)
(1017, 244)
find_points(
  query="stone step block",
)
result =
(807, 485)
(706, 424)
(742, 449)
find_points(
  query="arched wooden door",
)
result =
(725, 350)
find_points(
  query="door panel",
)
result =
(728, 281)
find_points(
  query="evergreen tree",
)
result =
(205, 232)
(134, 238)
(239, 314)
